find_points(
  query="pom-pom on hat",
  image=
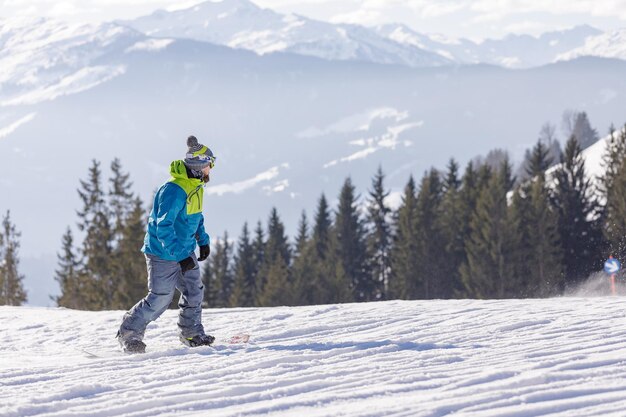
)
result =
(198, 156)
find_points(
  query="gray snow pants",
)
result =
(163, 278)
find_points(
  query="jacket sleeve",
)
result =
(201, 235)
(170, 203)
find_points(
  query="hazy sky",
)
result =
(459, 18)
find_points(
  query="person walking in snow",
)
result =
(175, 227)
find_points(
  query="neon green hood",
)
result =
(193, 187)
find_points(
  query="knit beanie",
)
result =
(198, 156)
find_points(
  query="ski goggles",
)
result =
(203, 156)
(210, 158)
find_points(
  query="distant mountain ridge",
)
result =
(611, 44)
(513, 51)
(243, 24)
(41, 59)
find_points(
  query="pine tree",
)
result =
(378, 243)
(12, 291)
(244, 293)
(546, 261)
(221, 279)
(211, 289)
(613, 159)
(338, 283)
(433, 282)
(453, 226)
(121, 199)
(97, 246)
(128, 275)
(303, 235)
(326, 281)
(331, 283)
(613, 186)
(489, 250)
(258, 254)
(404, 262)
(350, 235)
(579, 231)
(472, 183)
(538, 256)
(68, 274)
(521, 283)
(538, 161)
(130, 266)
(277, 290)
(322, 228)
(550, 145)
(301, 268)
(276, 257)
(470, 189)
(311, 286)
(584, 133)
(304, 274)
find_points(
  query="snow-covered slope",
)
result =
(611, 44)
(513, 51)
(557, 357)
(42, 59)
(594, 161)
(242, 24)
(593, 156)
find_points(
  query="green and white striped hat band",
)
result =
(198, 156)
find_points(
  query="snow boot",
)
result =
(198, 340)
(132, 345)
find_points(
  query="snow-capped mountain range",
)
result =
(287, 122)
(611, 44)
(242, 24)
(43, 58)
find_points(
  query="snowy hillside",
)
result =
(513, 51)
(594, 161)
(42, 59)
(611, 44)
(560, 357)
(242, 24)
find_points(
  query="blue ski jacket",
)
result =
(176, 222)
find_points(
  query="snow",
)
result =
(7, 130)
(150, 45)
(43, 59)
(242, 24)
(593, 157)
(388, 139)
(241, 186)
(82, 80)
(359, 122)
(551, 357)
(611, 44)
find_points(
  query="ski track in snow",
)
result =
(515, 358)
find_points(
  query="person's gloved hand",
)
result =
(205, 251)
(187, 264)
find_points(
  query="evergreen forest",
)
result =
(483, 231)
